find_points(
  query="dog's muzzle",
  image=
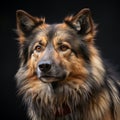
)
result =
(49, 72)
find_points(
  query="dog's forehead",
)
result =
(55, 31)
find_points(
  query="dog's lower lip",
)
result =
(48, 79)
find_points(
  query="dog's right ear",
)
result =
(26, 23)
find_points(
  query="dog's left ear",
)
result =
(82, 22)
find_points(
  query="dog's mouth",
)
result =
(52, 78)
(49, 79)
(54, 81)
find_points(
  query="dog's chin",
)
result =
(54, 81)
(52, 78)
(49, 79)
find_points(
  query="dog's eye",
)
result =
(38, 48)
(64, 47)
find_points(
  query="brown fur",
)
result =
(79, 85)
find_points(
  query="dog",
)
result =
(62, 75)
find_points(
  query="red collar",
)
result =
(65, 110)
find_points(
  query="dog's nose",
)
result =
(45, 66)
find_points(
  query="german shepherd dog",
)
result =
(62, 75)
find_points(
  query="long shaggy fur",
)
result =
(89, 92)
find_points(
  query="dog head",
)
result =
(56, 52)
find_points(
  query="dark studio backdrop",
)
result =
(105, 13)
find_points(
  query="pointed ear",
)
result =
(82, 22)
(26, 22)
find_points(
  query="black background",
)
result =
(105, 13)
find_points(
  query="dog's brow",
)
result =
(63, 35)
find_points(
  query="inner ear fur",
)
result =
(82, 22)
